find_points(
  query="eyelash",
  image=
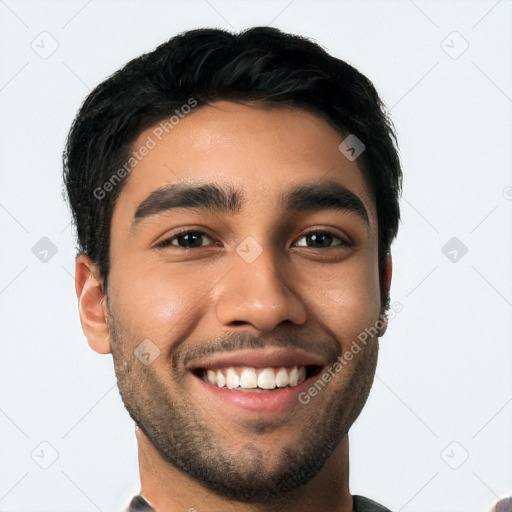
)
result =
(168, 241)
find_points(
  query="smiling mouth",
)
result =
(256, 380)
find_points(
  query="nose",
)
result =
(257, 293)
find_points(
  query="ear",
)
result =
(385, 287)
(92, 304)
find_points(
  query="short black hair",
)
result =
(202, 66)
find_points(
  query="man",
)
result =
(235, 199)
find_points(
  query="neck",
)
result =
(168, 489)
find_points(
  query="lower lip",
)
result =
(267, 401)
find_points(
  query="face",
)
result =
(244, 253)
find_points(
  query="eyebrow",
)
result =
(214, 198)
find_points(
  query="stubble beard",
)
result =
(185, 438)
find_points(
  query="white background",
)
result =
(443, 390)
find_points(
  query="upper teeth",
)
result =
(254, 378)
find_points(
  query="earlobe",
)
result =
(386, 285)
(92, 305)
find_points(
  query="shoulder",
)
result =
(362, 504)
(139, 504)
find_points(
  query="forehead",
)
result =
(261, 152)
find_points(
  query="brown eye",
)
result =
(321, 240)
(186, 240)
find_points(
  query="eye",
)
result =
(322, 240)
(193, 239)
(186, 240)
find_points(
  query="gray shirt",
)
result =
(361, 504)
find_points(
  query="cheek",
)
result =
(349, 302)
(161, 306)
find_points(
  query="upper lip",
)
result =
(258, 358)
